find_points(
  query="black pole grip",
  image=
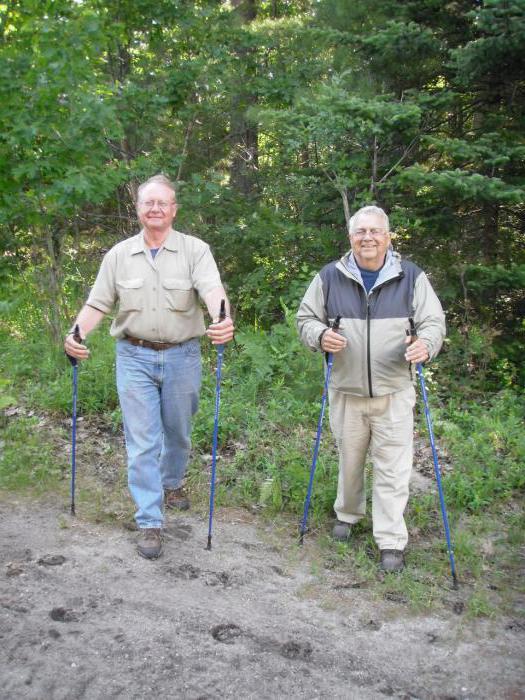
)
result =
(412, 333)
(222, 312)
(78, 339)
(337, 323)
(335, 327)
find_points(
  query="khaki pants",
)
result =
(385, 424)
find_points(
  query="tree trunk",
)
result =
(53, 307)
(343, 191)
(373, 177)
(490, 232)
(243, 135)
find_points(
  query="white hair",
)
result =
(158, 180)
(368, 210)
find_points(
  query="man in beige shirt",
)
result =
(157, 279)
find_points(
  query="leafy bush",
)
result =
(487, 444)
(271, 390)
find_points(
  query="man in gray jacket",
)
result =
(371, 391)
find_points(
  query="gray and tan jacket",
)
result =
(374, 324)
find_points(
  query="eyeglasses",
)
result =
(151, 203)
(374, 232)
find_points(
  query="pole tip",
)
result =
(73, 509)
(455, 584)
(301, 539)
(208, 546)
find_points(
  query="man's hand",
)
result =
(75, 349)
(87, 320)
(332, 341)
(220, 332)
(417, 351)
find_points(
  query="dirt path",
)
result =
(82, 616)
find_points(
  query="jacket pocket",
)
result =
(178, 294)
(131, 294)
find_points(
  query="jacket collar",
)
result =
(390, 270)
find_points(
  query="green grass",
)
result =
(26, 460)
(487, 442)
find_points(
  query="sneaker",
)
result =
(392, 560)
(149, 544)
(341, 531)
(176, 499)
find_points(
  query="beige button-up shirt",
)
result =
(158, 298)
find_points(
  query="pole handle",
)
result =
(337, 323)
(78, 339)
(412, 333)
(222, 312)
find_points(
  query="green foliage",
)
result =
(273, 387)
(34, 361)
(462, 186)
(6, 396)
(501, 41)
(347, 131)
(412, 106)
(487, 444)
(25, 463)
(55, 152)
(409, 44)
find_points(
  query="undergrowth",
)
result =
(271, 392)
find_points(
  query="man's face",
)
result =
(156, 207)
(370, 241)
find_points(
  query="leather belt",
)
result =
(153, 345)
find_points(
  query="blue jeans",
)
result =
(159, 394)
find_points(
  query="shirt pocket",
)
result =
(178, 294)
(131, 294)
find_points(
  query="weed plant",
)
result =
(26, 462)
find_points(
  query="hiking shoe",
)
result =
(149, 544)
(341, 531)
(177, 499)
(392, 560)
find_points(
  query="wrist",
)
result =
(321, 334)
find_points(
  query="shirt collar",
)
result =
(171, 243)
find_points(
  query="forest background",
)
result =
(276, 119)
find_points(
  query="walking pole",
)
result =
(413, 335)
(220, 352)
(329, 363)
(74, 362)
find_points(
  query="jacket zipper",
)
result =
(369, 364)
(368, 358)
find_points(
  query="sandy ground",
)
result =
(82, 616)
